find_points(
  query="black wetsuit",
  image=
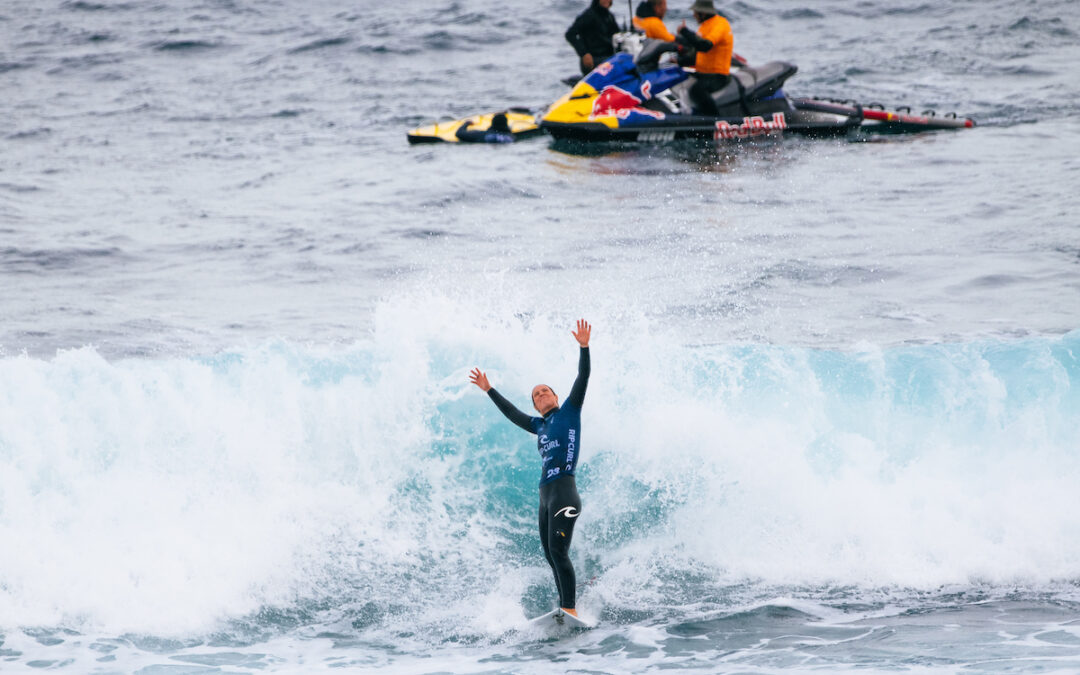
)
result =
(559, 442)
(591, 33)
(467, 135)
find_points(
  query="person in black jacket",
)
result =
(590, 34)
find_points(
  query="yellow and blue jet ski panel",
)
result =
(613, 94)
(577, 106)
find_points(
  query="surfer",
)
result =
(558, 431)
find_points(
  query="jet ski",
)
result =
(638, 99)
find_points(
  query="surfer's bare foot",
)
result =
(571, 612)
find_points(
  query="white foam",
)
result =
(167, 495)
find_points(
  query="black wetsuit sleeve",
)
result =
(584, 367)
(510, 410)
(464, 133)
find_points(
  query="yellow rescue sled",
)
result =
(521, 121)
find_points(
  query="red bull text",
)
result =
(751, 126)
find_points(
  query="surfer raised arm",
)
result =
(558, 431)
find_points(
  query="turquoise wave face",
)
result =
(374, 481)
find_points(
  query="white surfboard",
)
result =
(557, 617)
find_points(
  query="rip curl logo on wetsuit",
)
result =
(567, 512)
(547, 446)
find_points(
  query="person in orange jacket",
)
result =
(649, 18)
(714, 43)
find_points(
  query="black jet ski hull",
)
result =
(800, 117)
(623, 100)
(694, 127)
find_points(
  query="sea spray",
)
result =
(372, 483)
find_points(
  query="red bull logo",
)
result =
(750, 127)
(621, 103)
(613, 99)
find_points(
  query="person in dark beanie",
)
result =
(591, 33)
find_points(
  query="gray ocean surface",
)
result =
(834, 420)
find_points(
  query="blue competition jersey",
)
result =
(558, 435)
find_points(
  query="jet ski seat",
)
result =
(754, 83)
(648, 59)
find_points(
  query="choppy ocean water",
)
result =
(833, 419)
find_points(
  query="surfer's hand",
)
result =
(587, 61)
(682, 26)
(479, 379)
(582, 333)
